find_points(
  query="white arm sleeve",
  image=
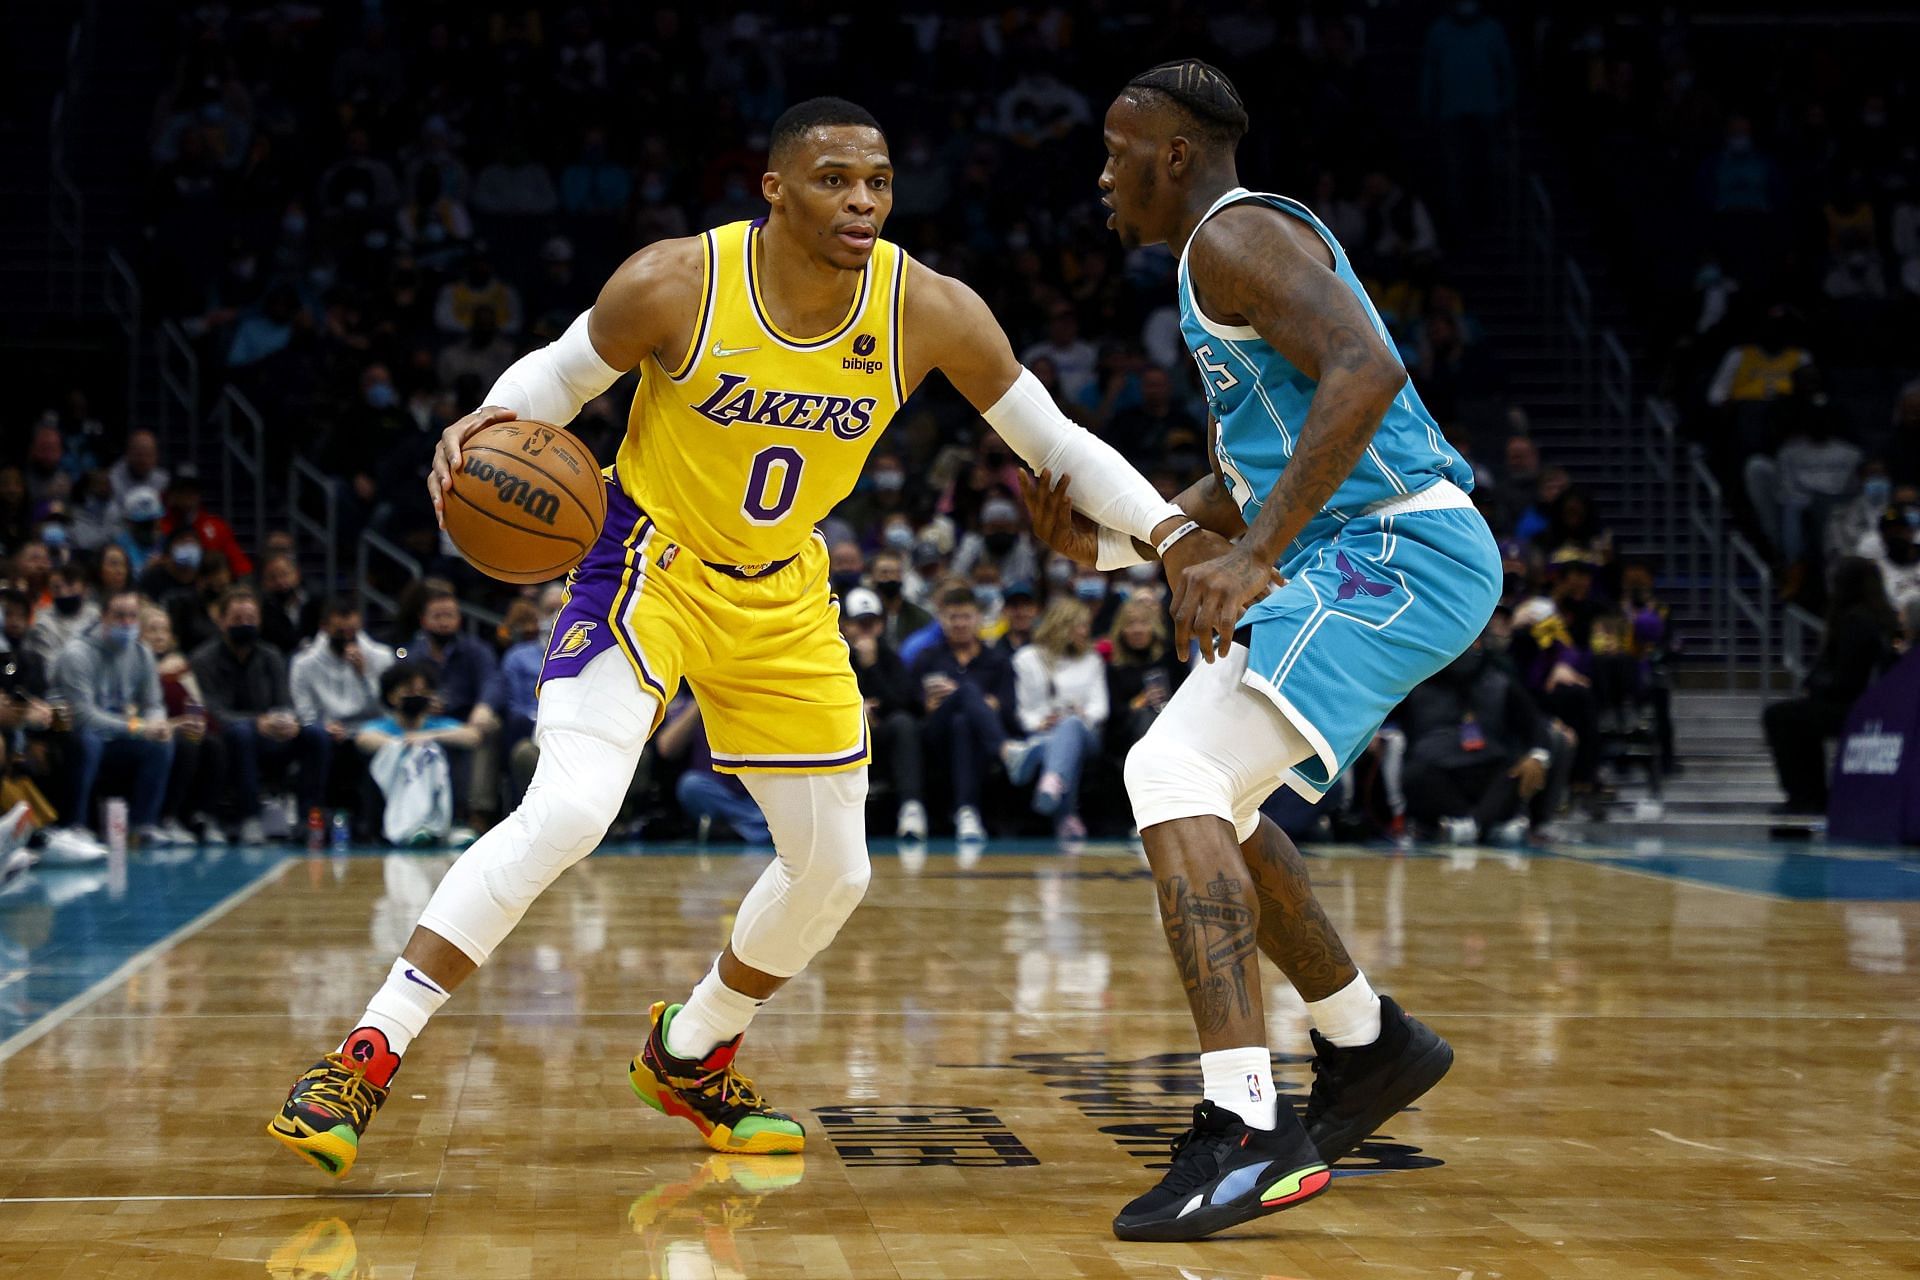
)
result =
(1116, 551)
(551, 384)
(1105, 486)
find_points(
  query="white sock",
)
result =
(1350, 1016)
(714, 1014)
(1241, 1080)
(402, 1005)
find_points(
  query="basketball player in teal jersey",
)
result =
(1329, 474)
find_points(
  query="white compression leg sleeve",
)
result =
(1219, 748)
(1106, 488)
(819, 875)
(552, 383)
(590, 730)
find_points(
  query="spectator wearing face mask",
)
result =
(408, 758)
(462, 664)
(184, 511)
(887, 576)
(1000, 542)
(120, 723)
(174, 573)
(1895, 549)
(288, 615)
(244, 681)
(881, 495)
(335, 682)
(69, 614)
(846, 566)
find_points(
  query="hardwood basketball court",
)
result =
(1696, 1062)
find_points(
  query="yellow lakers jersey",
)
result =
(759, 434)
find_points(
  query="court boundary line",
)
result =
(134, 963)
(284, 1195)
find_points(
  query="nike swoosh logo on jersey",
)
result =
(722, 352)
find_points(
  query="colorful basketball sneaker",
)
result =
(332, 1104)
(1225, 1173)
(1357, 1090)
(721, 1103)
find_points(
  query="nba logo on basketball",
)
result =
(862, 347)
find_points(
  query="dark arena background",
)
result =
(1644, 855)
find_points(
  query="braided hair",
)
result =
(1201, 92)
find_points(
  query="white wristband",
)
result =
(1117, 550)
(1174, 537)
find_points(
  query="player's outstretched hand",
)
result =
(446, 454)
(1209, 595)
(1055, 522)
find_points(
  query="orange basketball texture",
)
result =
(526, 501)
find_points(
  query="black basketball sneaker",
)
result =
(1225, 1173)
(1357, 1090)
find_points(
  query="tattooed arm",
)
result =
(1256, 266)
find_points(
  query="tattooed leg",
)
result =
(1293, 931)
(1211, 917)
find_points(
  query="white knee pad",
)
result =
(1217, 750)
(591, 731)
(1171, 778)
(819, 873)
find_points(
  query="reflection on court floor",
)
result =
(1671, 1062)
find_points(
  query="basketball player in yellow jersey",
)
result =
(771, 356)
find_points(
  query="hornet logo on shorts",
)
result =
(574, 641)
(736, 400)
(1353, 582)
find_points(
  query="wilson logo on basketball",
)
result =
(514, 490)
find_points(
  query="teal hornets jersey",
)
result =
(1260, 400)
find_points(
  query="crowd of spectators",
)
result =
(1759, 185)
(361, 239)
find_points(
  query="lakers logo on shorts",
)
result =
(573, 641)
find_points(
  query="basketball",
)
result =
(526, 502)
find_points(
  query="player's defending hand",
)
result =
(1209, 595)
(446, 454)
(1055, 522)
